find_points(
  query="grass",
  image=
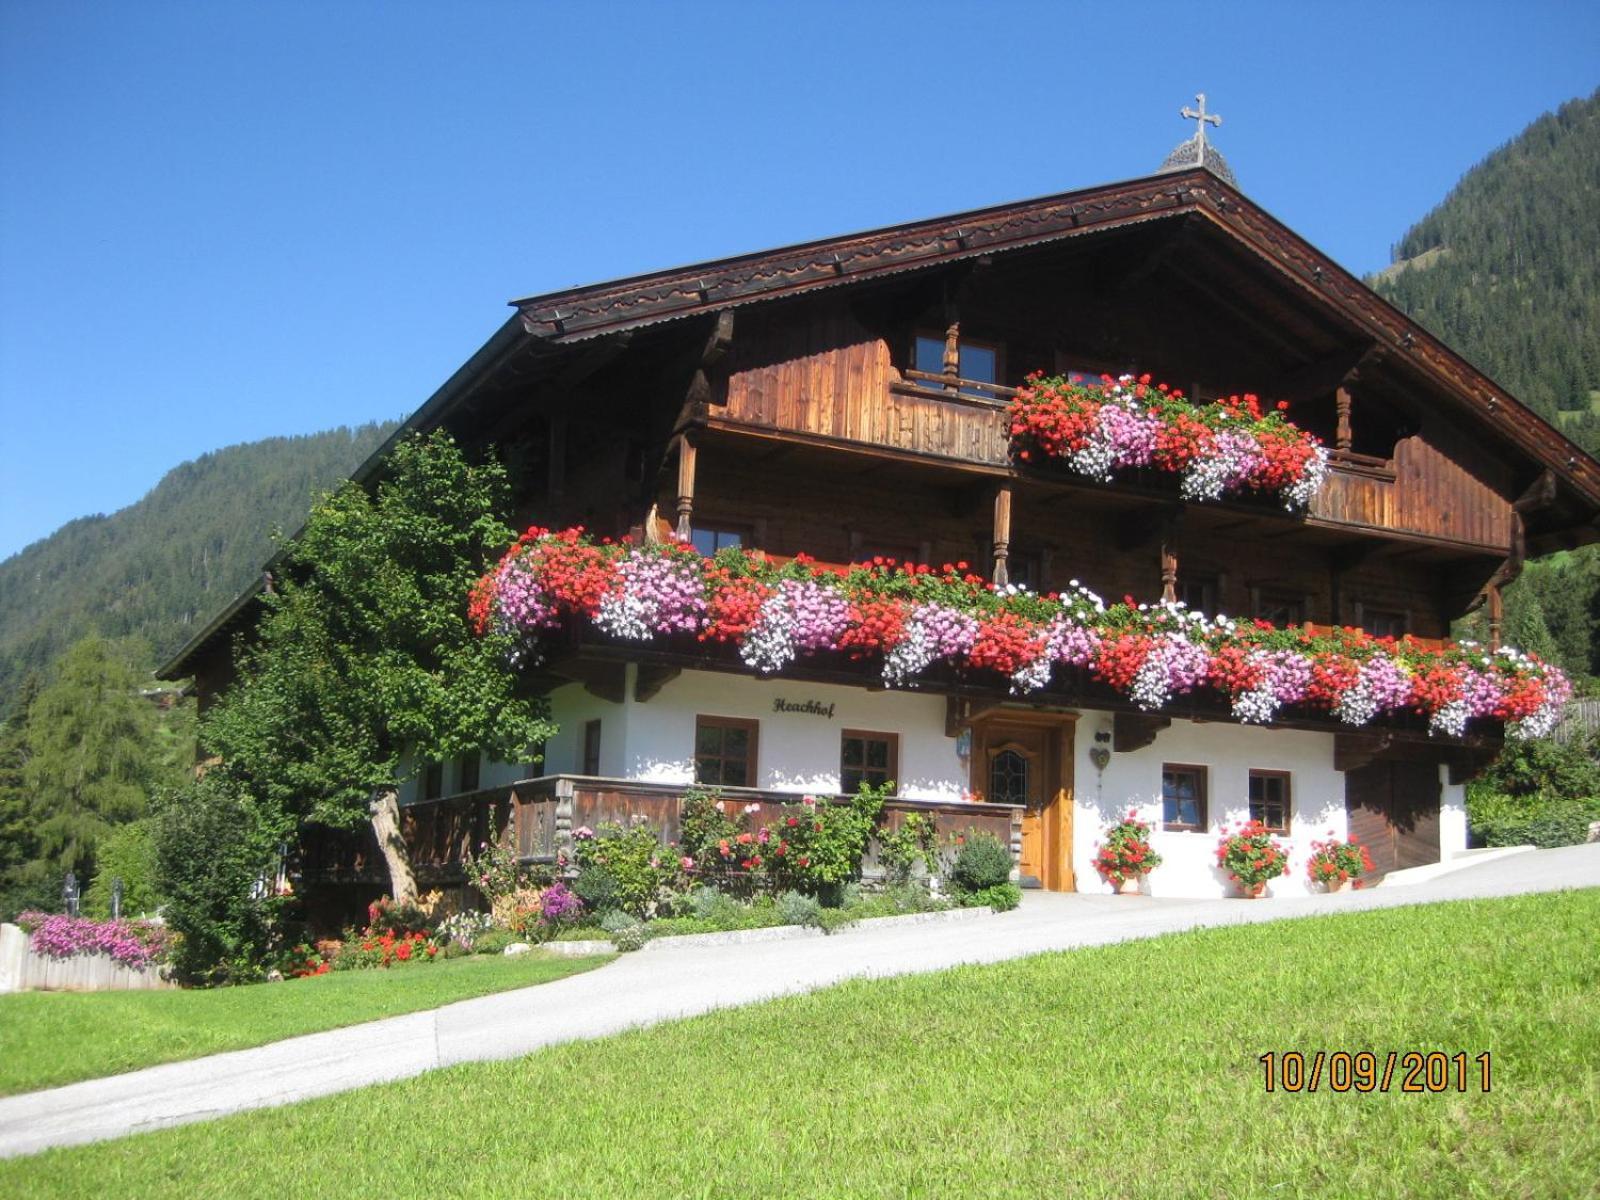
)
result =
(50, 1038)
(1120, 1071)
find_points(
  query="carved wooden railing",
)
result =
(543, 813)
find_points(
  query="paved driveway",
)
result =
(641, 989)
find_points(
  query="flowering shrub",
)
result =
(1332, 862)
(303, 959)
(136, 944)
(1251, 856)
(1215, 449)
(558, 906)
(910, 617)
(383, 950)
(916, 840)
(1126, 853)
(633, 856)
(385, 915)
(463, 929)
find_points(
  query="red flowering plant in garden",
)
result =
(911, 618)
(1226, 446)
(1332, 862)
(1251, 856)
(1126, 852)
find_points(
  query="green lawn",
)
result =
(1122, 1071)
(49, 1038)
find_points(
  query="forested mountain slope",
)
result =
(160, 568)
(1507, 268)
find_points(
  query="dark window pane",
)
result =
(850, 781)
(708, 770)
(708, 739)
(736, 743)
(1008, 778)
(878, 754)
(853, 752)
(735, 773)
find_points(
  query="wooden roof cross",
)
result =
(1200, 116)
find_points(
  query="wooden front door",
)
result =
(1027, 759)
(1393, 809)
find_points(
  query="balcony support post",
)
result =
(1002, 534)
(1496, 615)
(1342, 438)
(686, 465)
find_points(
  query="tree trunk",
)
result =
(385, 810)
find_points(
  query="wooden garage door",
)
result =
(1393, 807)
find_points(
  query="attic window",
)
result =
(980, 361)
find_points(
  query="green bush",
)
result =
(709, 904)
(1540, 820)
(127, 853)
(982, 862)
(629, 938)
(494, 941)
(1002, 897)
(916, 840)
(213, 850)
(797, 909)
(634, 857)
(616, 921)
(597, 888)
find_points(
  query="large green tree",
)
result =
(364, 662)
(93, 755)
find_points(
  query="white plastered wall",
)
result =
(1132, 781)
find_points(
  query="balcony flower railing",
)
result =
(908, 617)
(1216, 449)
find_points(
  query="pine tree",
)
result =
(16, 826)
(92, 749)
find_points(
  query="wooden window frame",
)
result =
(891, 775)
(1209, 583)
(752, 759)
(1202, 794)
(592, 730)
(1288, 799)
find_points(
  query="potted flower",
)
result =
(1125, 856)
(1252, 857)
(1337, 864)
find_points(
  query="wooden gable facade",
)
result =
(846, 399)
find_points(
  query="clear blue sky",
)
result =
(220, 222)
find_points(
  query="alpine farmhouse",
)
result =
(850, 400)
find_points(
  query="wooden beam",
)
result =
(1002, 533)
(1341, 404)
(686, 478)
(1496, 615)
(1135, 731)
(1352, 751)
(651, 679)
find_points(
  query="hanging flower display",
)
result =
(911, 618)
(1216, 449)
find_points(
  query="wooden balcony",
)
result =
(1432, 487)
(543, 812)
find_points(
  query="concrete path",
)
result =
(642, 989)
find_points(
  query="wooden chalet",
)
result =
(845, 399)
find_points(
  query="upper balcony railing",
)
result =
(1424, 490)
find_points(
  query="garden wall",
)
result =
(21, 970)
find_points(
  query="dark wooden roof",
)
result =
(546, 329)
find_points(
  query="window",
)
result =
(708, 539)
(1183, 797)
(870, 758)
(591, 747)
(1384, 622)
(433, 781)
(467, 773)
(1199, 593)
(1010, 780)
(978, 362)
(1280, 609)
(1269, 799)
(725, 751)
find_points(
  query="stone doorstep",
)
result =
(769, 933)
